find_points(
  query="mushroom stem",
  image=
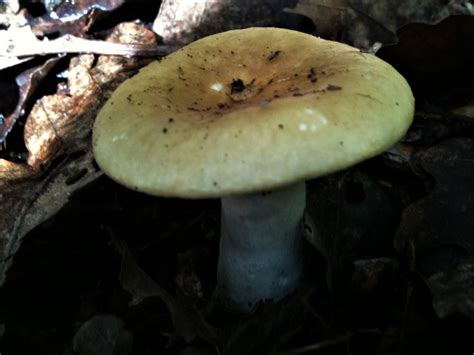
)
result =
(261, 246)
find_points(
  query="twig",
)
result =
(73, 44)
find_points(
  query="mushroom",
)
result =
(247, 116)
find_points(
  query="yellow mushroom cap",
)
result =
(249, 110)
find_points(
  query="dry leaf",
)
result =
(453, 290)
(28, 199)
(58, 131)
(53, 122)
(71, 17)
(27, 83)
(328, 16)
(439, 227)
(12, 172)
(364, 22)
(186, 21)
(188, 321)
(435, 59)
(21, 42)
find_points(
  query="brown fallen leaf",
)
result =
(10, 171)
(28, 198)
(51, 120)
(57, 134)
(58, 122)
(27, 82)
(363, 22)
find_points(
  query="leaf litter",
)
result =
(413, 181)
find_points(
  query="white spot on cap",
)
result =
(119, 137)
(314, 123)
(308, 111)
(216, 86)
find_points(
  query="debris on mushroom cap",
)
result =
(249, 110)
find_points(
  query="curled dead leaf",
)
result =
(42, 129)
(27, 82)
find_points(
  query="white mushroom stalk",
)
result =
(260, 253)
